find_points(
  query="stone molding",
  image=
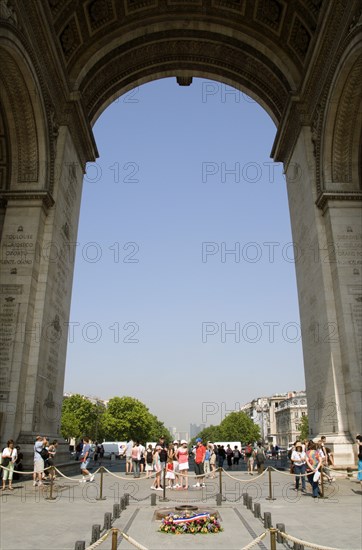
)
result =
(325, 197)
(34, 195)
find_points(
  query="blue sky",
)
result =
(184, 178)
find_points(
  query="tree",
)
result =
(127, 418)
(80, 418)
(238, 426)
(304, 428)
(211, 433)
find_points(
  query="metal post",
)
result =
(273, 545)
(122, 503)
(220, 481)
(101, 497)
(257, 510)
(114, 539)
(153, 499)
(164, 498)
(249, 503)
(79, 545)
(116, 511)
(52, 474)
(270, 497)
(322, 483)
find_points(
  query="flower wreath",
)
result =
(190, 524)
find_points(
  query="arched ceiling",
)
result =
(261, 46)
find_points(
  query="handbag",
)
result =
(5, 461)
(292, 468)
(317, 475)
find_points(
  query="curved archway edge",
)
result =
(78, 57)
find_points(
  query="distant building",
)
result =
(195, 429)
(288, 417)
(263, 412)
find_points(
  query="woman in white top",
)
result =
(8, 456)
(299, 461)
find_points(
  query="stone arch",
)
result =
(342, 137)
(25, 119)
(189, 53)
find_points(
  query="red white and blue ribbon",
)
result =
(191, 518)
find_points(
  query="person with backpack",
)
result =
(236, 456)
(149, 461)
(259, 456)
(249, 458)
(229, 456)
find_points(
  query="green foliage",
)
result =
(128, 418)
(238, 426)
(304, 428)
(80, 418)
(123, 419)
(211, 433)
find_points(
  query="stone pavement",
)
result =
(29, 521)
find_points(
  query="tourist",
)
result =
(359, 456)
(236, 456)
(40, 443)
(18, 466)
(85, 460)
(176, 464)
(183, 464)
(249, 458)
(328, 459)
(52, 450)
(259, 457)
(212, 461)
(136, 458)
(149, 461)
(129, 465)
(8, 458)
(207, 461)
(170, 474)
(314, 463)
(163, 451)
(229, 457)
(221, 455)
(142, 459)
(158, 469)
(199, 463)
(298, 459)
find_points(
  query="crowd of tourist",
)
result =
(306, 457)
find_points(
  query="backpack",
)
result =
(163, 455)
(44, 453)
(149, 457)
(248, 450)
(260, 457)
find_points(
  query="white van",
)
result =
(116, 448)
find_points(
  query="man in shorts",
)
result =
(85, 460)
(200, 454)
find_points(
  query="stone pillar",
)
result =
(37, 261)
(329, 294)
